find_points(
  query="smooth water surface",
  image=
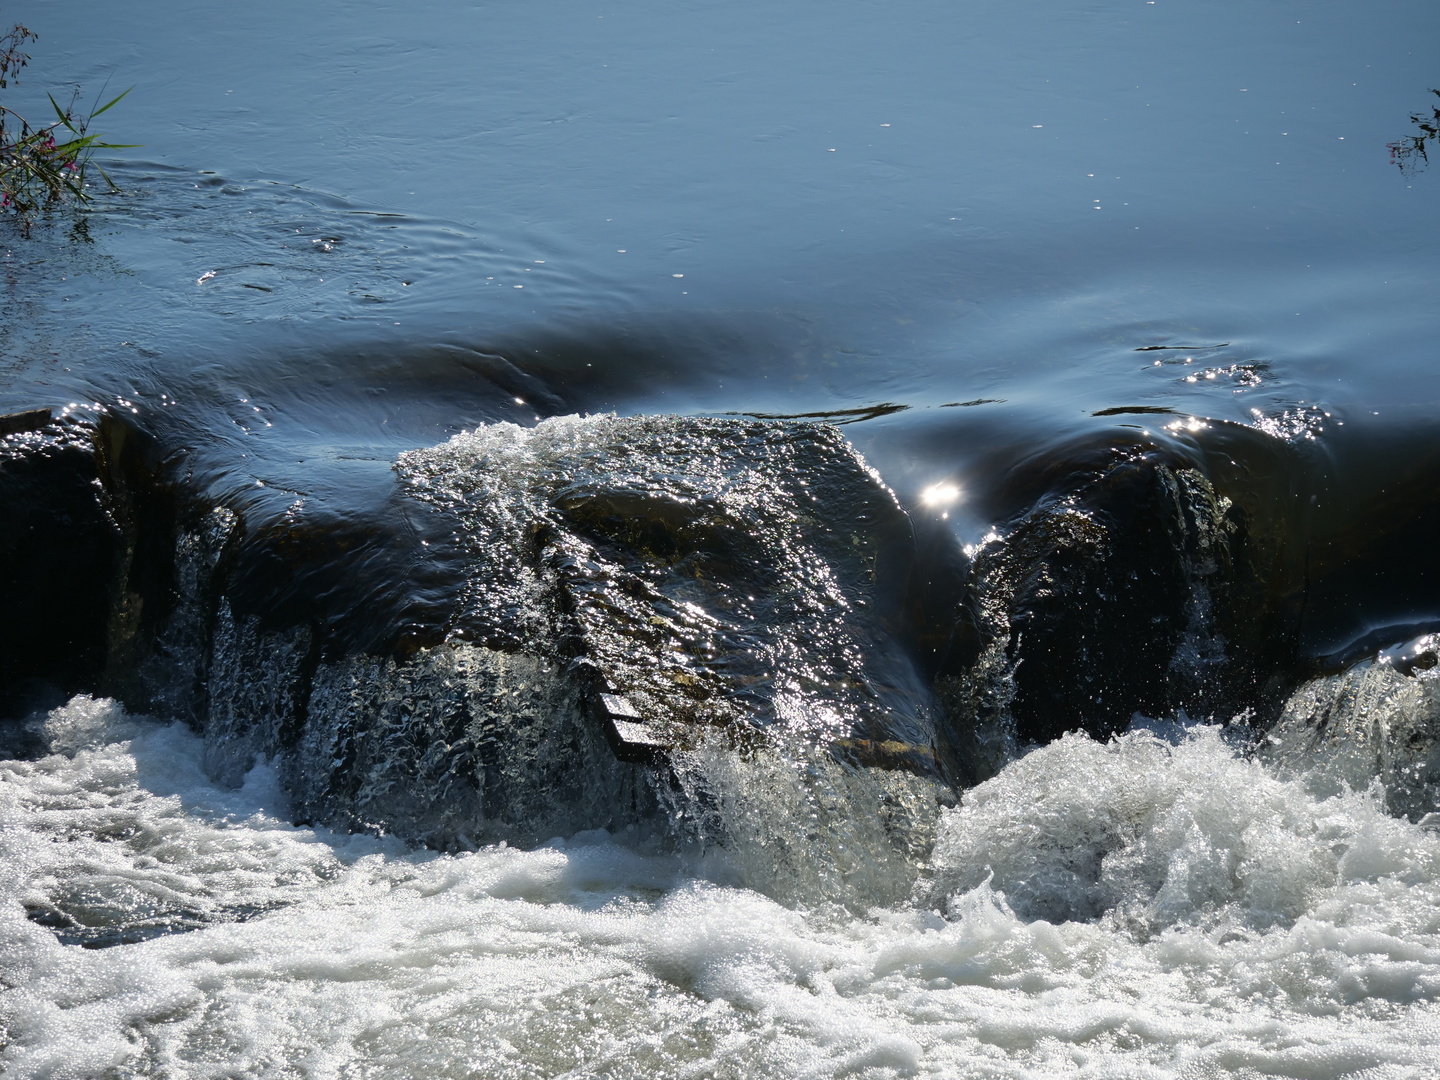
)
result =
(738, 206)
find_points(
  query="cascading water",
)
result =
(681, 673)
(1153, 905)
(1376, 724)
(691, 629)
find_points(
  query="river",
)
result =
(695, 539)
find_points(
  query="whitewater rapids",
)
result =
(1160, 905)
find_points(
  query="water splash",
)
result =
(596, 956)
(1377, 723)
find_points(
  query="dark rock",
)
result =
(59, 553)
(1100, 590)
(1133, 584)
(87, 528)
(29, 420)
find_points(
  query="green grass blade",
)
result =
(109, 103)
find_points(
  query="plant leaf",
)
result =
(112, 101)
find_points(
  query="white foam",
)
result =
(1238, 926)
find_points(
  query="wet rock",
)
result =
(29, 420)
(1379, 720)
(144, 503)
(1132, 584)
(548, 620)
(1101, 588)
(693, 579)
(731, 582)
(711, 576)
(87, 534)
(59, 554)
(459, 746)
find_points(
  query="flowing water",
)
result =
(704, 539)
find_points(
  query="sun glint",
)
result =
(941, 494)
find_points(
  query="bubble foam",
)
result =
(1220, 922)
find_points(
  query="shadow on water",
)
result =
(1409, 154)
(835, 416)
